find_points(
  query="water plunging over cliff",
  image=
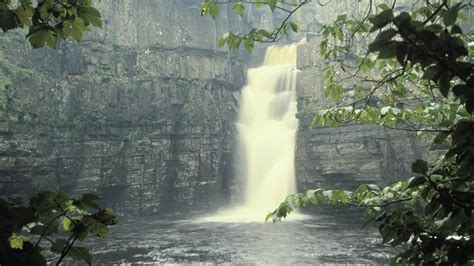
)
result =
(267, 128)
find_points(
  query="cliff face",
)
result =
(141, 111)
(351, 154)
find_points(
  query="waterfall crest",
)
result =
(267, 130)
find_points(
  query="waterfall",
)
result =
(267, 127)
(267, 130)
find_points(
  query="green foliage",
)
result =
(24, 226)
(239, 8)
(372, 197)
(424, 56)
(16, 242)
(234, 40)
(49, 20)
(417, 75)
(430, 214)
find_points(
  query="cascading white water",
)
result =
(267, 128)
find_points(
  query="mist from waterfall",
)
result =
(267, 130)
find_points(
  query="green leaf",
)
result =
(214, 11)
(381, 20)
(44, 11)
(268, 216)
(443, 84)
(21, 216)
(265, 33)
(233, 41)
(416, 181)
(432, 207)
(435, 28)
(239, 8)
(58, 245)
(456, 30)
(470, 105)
(441, 137)
(25, 2)
(450, 16)
(222, 41)
(383, 6)
(43, 36)
(381, 40)
(463, 90)
(388, 233)
(16, 241)
(24, 15)
(419, 167)
(338, 34)
(272, 4)
(44, 229)
(389, 50)
(323, 48)
(67, 224)
(90, 15)
(106, 216)
(402, 19)
(80, 254)
(98, 229)
(431, 73)
(43, 199)
(77, 29)
(402, 51)
(293, 26)
(8, 20)
(76, 253)
(249, 45)
(359, 93)
(341, 17)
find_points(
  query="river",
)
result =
(176, 239)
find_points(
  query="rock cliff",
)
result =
(350, 154)
(141, 111)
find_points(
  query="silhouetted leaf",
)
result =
(416, 181)
(450, 16)
(80, 254)
(419, 167)
(381, 20)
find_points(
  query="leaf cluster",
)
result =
(235, 40)
(438, 48)
(50, 20)
(53, 217)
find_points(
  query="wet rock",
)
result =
(139, 112)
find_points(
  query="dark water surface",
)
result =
(178, 240)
